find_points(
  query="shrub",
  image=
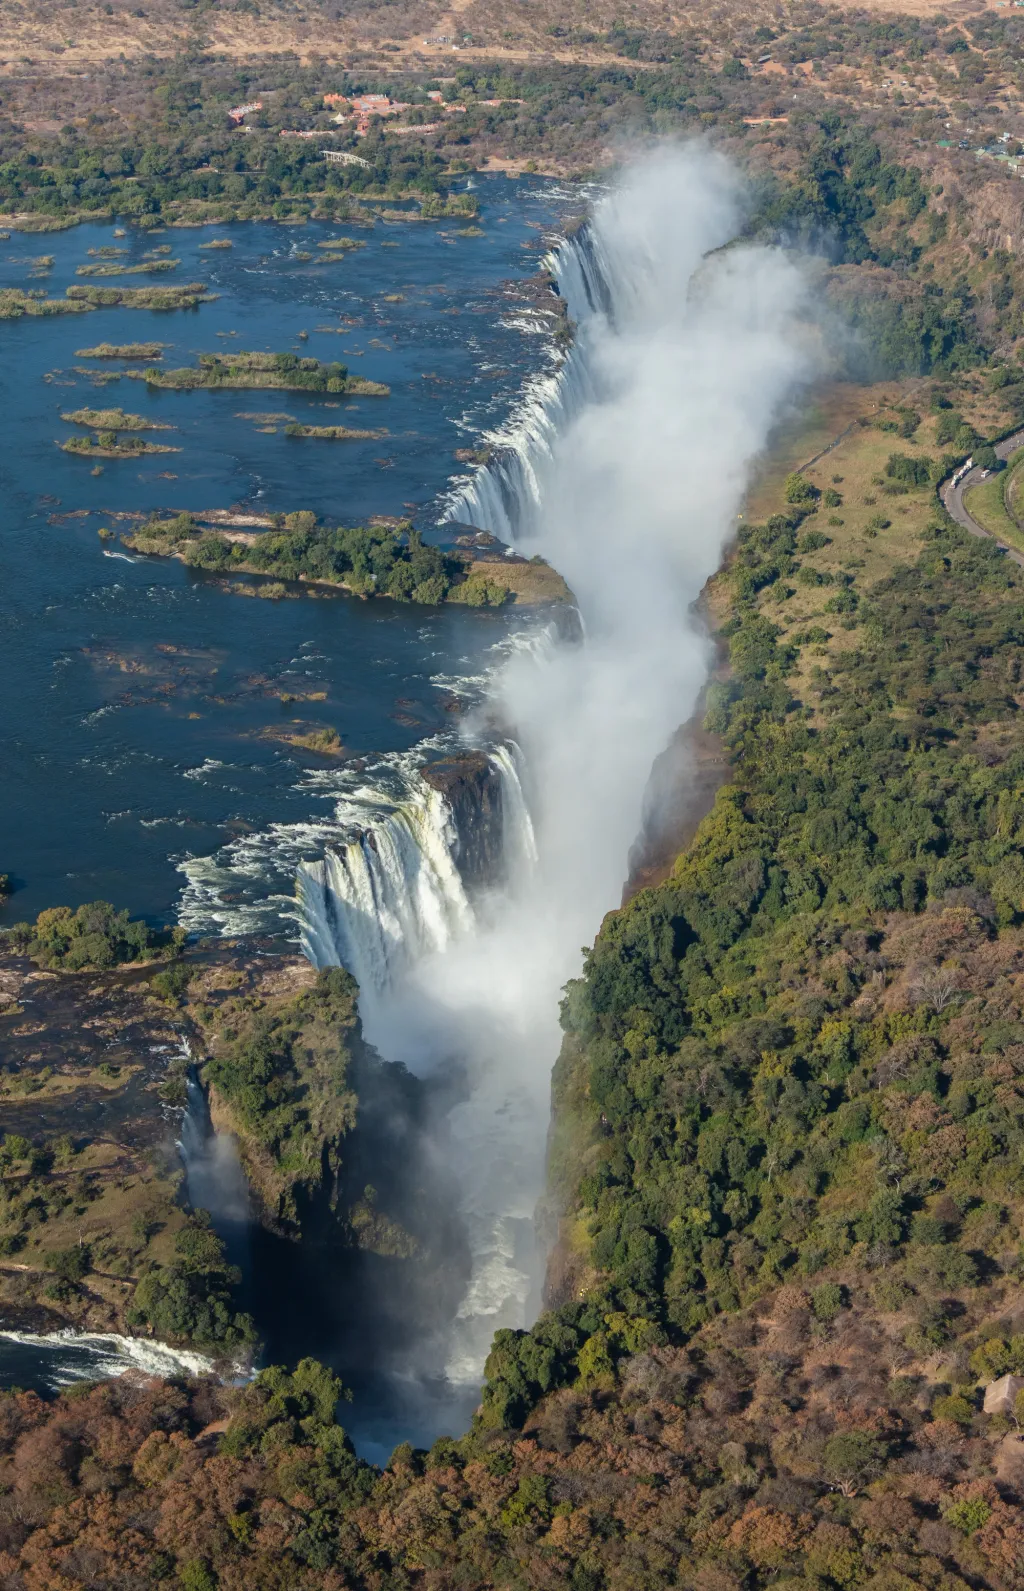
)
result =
(852, 1459)
(71, 1264)
(968, 1515)
(94, 936)
(195, 1575)
(800, 492)
(908, 471)
(953, 1407)
(827, 1301)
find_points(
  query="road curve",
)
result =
(953, 497)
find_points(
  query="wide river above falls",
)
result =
(145, 705)
(142, 703)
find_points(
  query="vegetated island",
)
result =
(377, 560)
(186, 295)
(109, 445)
(122, 351)
(115, 268)
(332, 433)
(16, 302)
(113, 420)
(287, 371)
(343, 244)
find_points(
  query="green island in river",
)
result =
(150, 350)
(108, 445)
(287, 371)
(377, 560)
(113, 420)
(16, 302)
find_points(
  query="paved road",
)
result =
(953, 496)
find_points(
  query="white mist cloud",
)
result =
(638, 501)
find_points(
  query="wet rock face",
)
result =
(471, 785)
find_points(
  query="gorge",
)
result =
(458, 878)
(682, 354)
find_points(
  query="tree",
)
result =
(800, 492)
(852, 1459)
(71, 1264)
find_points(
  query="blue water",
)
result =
(138, 695)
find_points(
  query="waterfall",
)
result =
(584, 273)
(213, 1172)
(518, 840)
(505, 495)
(626, 469)
(394, 894)
(388, 897)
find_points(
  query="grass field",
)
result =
(868, 533)
(986, 503)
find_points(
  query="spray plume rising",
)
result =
(629, 482)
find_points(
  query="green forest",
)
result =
(791, 1052)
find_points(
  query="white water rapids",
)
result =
(626, 471)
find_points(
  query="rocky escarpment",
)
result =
(348, 1209)
(92, 1205)
(471, 786)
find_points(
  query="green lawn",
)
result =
(985, 503)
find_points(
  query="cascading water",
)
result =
(506, 494)
(387, 898)
(60, 1358)
(214, 1177)
(518, 840)
(395, 894)
(626, 470)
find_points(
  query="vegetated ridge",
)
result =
(96, 1231)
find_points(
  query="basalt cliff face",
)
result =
(472, 790)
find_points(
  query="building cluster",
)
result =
(355, 113)
(238, 113)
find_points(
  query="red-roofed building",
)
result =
(373, 105)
